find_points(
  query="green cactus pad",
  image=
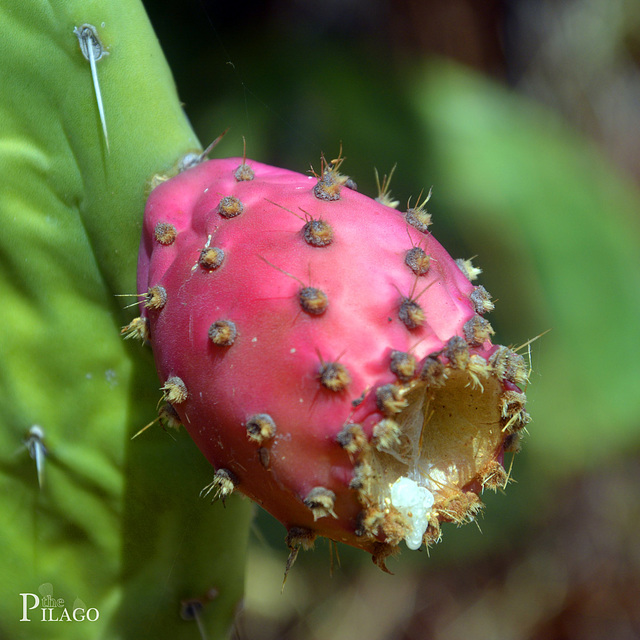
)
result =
(117, 524)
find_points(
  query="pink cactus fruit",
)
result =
(326, 354)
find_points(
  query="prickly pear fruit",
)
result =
(326, 354)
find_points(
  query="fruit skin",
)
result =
(309, 375)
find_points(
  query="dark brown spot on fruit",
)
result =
(386, 435)
(297, 537)
(321, 501)
(328, 187)
(264, 455)
(223, 484)
(230, 207)
(261, 427)
(418, 217)
(300, 537)
(330, 180)
(512, 405)
(165, 233)
(211, 258)
(313, 301)
(223, 333)
(457, 352)
(411, 314)
(390, 399)
(174, 390)
(418, 261)
(477, 330)
(509, 365)
(361, 477)
(169, 418)
(481, 300)
(244, 172)
(494, 477)
(433, 372)
(419, 220)
(317, 233)
(511, 443)
(334, 376)
(352, 438)
(467, 268)
(156, 297)
(403, 365)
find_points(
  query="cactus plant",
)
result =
(92, 229)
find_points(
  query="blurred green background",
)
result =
(524, 118)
